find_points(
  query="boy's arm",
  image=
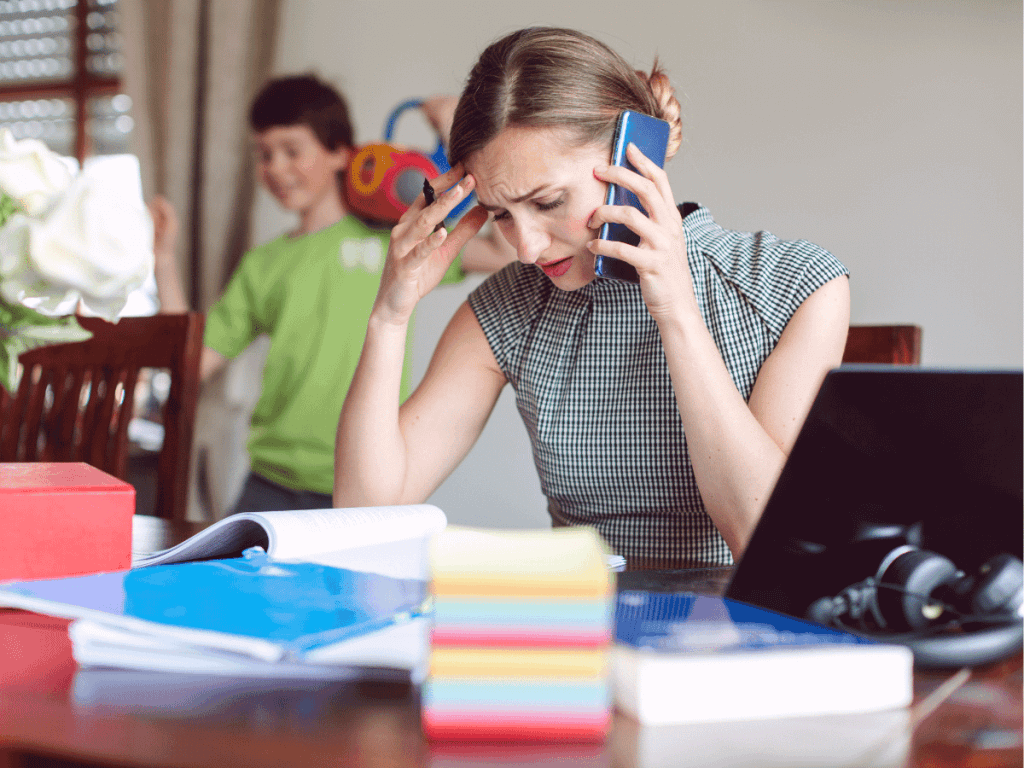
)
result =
(440, 111)
(210, 362)
(487, 251)
(168, 284)
(165, 237)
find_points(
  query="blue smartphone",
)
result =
(651, 136)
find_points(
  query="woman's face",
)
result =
(542, 192)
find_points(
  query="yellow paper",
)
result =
(517, 662)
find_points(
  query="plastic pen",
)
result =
(428, 194)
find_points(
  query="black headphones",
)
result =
(921, 599)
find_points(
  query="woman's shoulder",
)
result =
(754, 256)
(755, 271)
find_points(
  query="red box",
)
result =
(63, 519)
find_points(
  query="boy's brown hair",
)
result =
(303, 100)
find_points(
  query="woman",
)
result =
(661, 413)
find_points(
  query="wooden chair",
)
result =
(896, 344)
(74, 401)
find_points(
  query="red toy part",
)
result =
(63, 519)
(383, 180)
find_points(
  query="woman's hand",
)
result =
(420, 253)
(660, 258)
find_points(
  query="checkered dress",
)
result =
(592, 382)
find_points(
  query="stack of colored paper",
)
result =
(522, 628)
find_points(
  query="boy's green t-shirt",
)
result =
(312, 296)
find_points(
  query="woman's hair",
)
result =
(303, 100)
(551, 77)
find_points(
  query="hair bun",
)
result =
(668, 105)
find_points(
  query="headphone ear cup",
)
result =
(998, 588)
(967, 649)
(912, 578)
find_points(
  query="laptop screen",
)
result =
(890, 455)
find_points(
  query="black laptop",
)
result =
(890, 455)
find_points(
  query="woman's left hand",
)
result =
(660, 258)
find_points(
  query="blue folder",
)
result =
(295, 607)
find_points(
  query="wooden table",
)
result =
(52, 713)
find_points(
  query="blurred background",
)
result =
(888, 131)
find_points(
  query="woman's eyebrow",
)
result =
(519, 199)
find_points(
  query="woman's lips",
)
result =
(556, 268)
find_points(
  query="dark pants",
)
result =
(261, 495)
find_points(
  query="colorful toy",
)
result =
(384, 178)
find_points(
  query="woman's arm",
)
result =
(737, 448)
(391, 455)
(387, 455)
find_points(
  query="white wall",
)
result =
(889, 132)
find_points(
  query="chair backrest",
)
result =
(896, 344)
(74, 401)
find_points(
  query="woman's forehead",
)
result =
(519, 160)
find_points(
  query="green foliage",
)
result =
(8, 207)
(22, 329)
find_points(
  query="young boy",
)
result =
(310, 291)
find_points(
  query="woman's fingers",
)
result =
(658, 225)
(632, 218)
(643, 188)
(616, 249)
(652, 171)
(420, 251)
(447, 245)
(650, 185)
(425, 236)
(440, 184)
(450, 189)
(427, 246)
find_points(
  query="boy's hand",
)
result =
(440, 111)
(165, 227)
(165, 238)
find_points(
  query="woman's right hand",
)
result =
(418, 255)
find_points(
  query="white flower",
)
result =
(94, 245)
(31, 173)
